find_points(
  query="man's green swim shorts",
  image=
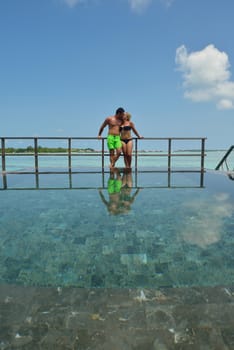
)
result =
(114, 142)
(114, 186)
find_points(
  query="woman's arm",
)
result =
(135, 131)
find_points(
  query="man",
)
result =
(114, 190)
(113, 139)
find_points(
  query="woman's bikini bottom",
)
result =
(126, 140)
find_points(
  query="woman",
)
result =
(126, 138)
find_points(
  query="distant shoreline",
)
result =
(64, 151)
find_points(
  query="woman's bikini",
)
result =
(126, 128)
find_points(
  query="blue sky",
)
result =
(65, 65)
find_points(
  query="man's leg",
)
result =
(117, 155)
(111, 147)
(112, 158)
(118, 148)
(115, 147)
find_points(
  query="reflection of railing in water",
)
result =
(102, 183)
(102, 153)
(224, 160)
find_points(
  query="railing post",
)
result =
(37, 180)
(202, 153)
(202, 179)
(136, 154)
(36, 153)
(103, 178)
(70, 179)
(102, 153)
(136, 183)
(69, 153)
(3, 154)
(169, 178)
(4, 179)
(169, 154)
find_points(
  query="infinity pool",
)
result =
(144, 230)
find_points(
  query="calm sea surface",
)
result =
(17, 163)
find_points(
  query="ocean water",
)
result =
(91, 161)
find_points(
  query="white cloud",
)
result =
(139, 5)
(203, 225)
(136, 5)
(72, 3)
(206, 76)
(167, 3)
(225, 104)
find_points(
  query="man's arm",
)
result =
(104, 124)
(102, 197)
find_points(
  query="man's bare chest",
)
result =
(114, 122)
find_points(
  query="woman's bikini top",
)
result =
(127, 127)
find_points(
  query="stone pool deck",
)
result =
(33, 318)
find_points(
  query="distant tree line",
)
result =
(41, 149)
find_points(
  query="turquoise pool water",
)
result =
(159, 230)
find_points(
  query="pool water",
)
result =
(144, 230)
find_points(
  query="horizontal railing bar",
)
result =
(89, 188)
(99, 154)
(97, 172)
(55, 154)
(170, 154)
(47, 138)
(94, 138)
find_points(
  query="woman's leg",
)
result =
(129, 153)
(124, 149)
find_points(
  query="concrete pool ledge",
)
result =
(74, 318)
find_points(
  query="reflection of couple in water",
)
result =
(119, 189)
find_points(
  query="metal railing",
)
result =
(70, 180)
(224, 160)
(102, 153)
